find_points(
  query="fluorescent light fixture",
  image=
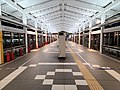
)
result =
(98, 21)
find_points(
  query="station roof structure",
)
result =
(61, 15)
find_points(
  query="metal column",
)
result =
(25, 29)
(83, 35)
(90, 25)
(36, 35)
(74, 37)
(26, 39)
(101, 34)
(50, 37)
(46, 37)
(79, 36)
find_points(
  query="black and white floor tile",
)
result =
(63, 79)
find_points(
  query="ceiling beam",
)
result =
(54, 21)
(85, 12)
(15, 6)
(111, 6)
(49, 15)
(60, 28)
(72, 19)
(77, 15)
(69, 25)
(42, 6)
(50, 18)
(83, 5)
(75, 18)
(61, 22)
(37, 14)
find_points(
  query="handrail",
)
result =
(13, 48)
(112, 47)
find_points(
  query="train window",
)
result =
(111, 39)
(15, 39)
(105, 38)
(6, 39)
(22, 39)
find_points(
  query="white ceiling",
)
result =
(61, 15)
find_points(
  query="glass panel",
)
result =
(105, 38)
(22, 39)
(111, 41)
(119, 40)
(6, 39)
(15, 39)
(115, 39)
(39, 39)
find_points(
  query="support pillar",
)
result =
(79, 37)
(90, 25)
(101, 34)
(46, 37)
(36, 35)
(74, 37)
(42, 38)
(1, 45)
(83, 38)
(25, 29)
(83, 35)
(26, 39)
(50, 37)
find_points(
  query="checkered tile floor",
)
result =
(70, 81)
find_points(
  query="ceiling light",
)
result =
(98, 21)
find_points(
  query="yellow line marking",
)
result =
(92, 82)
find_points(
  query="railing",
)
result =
(14, 52)
(111, 51)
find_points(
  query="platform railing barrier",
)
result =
(111, 51)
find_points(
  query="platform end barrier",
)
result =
(8, 57)
(21, 52)
(12, 55)
(28, 49)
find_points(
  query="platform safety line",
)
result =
(45, 50)
(84, 60)
(92, 82)
(11, 76)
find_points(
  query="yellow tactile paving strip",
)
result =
(92, 82)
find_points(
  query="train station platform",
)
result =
(82, 69)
